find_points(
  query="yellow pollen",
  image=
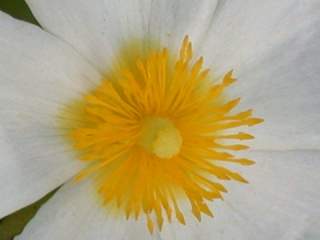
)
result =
(158, 135)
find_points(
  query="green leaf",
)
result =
(13, 224)
(17, 9)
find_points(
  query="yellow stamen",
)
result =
(155, 133)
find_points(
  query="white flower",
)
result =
(273, 48)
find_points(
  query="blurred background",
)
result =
(13, 224)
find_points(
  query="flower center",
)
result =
(155, 135)
(160, 137)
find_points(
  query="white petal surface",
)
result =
(75, 212)
(98, 28)
(38, 74)
(280, 202)
(274, 48)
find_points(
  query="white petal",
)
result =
(38, 74)
(98, 28)
(75, 212)
(274, 48)
(280, 202)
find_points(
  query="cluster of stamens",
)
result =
(156, 136)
